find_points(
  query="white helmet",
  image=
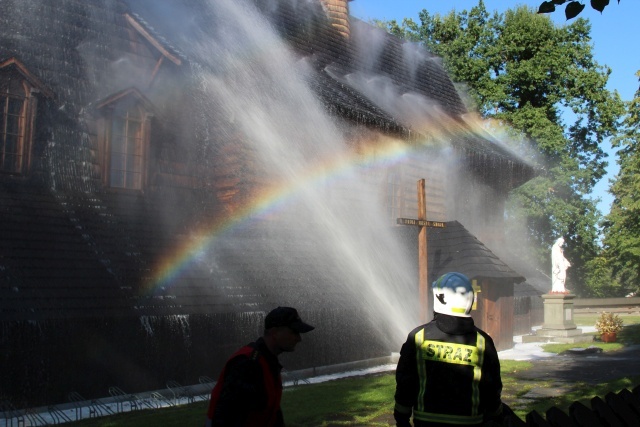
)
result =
(453, 295)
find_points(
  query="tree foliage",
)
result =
(543, 82)
(573, 8)
(600, 280)
(621, 226)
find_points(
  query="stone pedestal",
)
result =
(558, 312)
(558, 323)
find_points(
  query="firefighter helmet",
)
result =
(453, 295)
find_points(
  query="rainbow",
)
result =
(383, 153)
(169, 268)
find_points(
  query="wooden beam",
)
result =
(144, 33)
(423, 293)
(31, 78)
(155, 70)
(423, 265)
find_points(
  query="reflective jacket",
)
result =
(448, 374)
(248, 391)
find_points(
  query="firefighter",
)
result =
(448, 372)
(249, 389)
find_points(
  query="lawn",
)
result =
(368, 400)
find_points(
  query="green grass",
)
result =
(368, 401)
(561, 348)
(589, 319)
(351, 407)
(359, 400)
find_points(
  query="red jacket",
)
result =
(251, 397)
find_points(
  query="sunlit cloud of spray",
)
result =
(328, 195)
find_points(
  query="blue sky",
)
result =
(615, 34)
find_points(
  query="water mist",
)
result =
(330, 196)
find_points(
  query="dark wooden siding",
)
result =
(528, 312)
(494, 312)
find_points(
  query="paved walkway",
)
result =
(590, 365)
(587, 367)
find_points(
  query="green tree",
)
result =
(542, 81)
(601, 280)
(621, 226)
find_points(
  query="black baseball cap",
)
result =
(286, 316)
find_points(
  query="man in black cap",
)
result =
(249, 389)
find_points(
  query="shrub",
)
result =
(608, 322)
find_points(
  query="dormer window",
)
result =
(18, 106)
(124, 129)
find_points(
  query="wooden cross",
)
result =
(423, 277)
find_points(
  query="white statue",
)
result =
(559, 265)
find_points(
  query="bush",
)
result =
(608, 322)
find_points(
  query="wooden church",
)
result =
(150, 215)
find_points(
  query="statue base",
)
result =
(558, 323)
(558, 311)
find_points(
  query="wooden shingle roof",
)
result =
(369, 51)
(454, 248)
(49, 265)
(65, 255)
(410, 68)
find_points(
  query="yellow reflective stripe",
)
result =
(449, 353)
(447, 418)
(402, 409)
(477, 375)
(422, 371)
(439, 351)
